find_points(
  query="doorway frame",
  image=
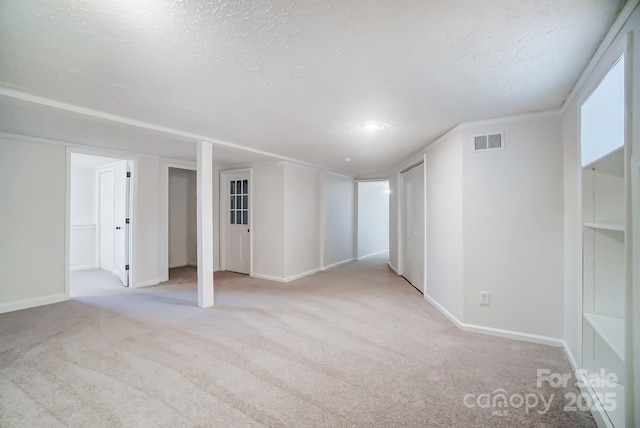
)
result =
(133, 200)
(166, 166)
(356, 207)
(415, 162)
(224, 207)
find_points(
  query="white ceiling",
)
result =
(296, 78)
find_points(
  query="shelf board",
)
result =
(611, 329)
(612, 163)
(618, 227)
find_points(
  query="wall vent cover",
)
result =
(489, 142)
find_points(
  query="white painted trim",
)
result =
(88, 149)
(602, 420)
(82, 226)
(608, 40)
(393, 268)
(509, 334)
(148, 283)
(373, 254)
(338, 174)
(335, 265)
(85, 267)
(32, 303)
(301, 275)
(267, 277)
(67, 224)
(365, 179)
(287, 279)
(569, 355)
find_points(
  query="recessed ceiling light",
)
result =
(372, 126)
(347, 159)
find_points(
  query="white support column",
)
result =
(205, 224)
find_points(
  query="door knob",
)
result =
(247, 230)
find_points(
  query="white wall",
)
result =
(495, 223)
(32, 224)
(82, 235)
(268, 226)
(338, 228)
(182, 217)
(301, 220)
(373, 217)
(445, 282)
(513, 226)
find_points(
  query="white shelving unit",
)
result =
(605, 250)
(604, 275)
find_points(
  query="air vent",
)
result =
(489, 142)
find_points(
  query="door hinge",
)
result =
(128, 174)
(126, 221)
(126, 267)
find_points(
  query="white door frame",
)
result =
(356, 188)
(115, 154)
(224, 208)
(189, 166)
(400, 215)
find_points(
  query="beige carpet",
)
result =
(353, 346)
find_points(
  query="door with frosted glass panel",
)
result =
(237, 236)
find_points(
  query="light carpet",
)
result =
(352, 346)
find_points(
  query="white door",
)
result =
(236, 223)
(121, 221)
(106, 218)
(413, 261)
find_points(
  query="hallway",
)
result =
(352, 346)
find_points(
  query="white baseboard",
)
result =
(267, 277)
(195, 265)
(287, 279)
(149, 283)
(602, 421)
(570, 357)
(301, 275)
(509, 334)
(85, 267)
(32, 303)
(393, 268)
(373, 254)
(334, 265)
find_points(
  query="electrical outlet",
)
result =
(485, 298)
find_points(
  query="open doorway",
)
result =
(99, 230)
(183, 228)
(373, 218)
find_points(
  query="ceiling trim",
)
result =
(89, 149)
(22, 96)
(608, 40)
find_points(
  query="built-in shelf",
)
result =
(612, 163)
(610, 329)
(617, 227)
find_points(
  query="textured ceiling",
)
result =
(298, 78)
